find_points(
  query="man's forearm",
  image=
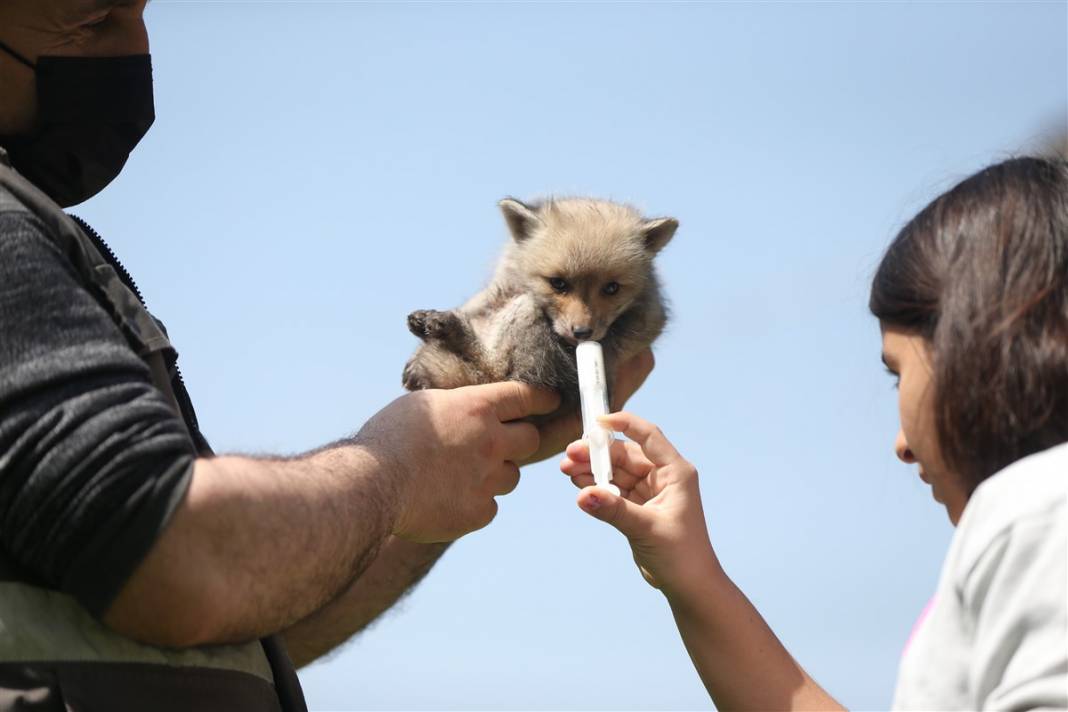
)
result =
(256, 545)
(398, 567)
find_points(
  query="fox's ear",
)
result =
(521, 218)
(658, 232)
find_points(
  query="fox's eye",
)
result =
(610, 288)
(560, 285)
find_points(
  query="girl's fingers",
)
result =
(657, 448)
(584, 481)
(624, 454)
(621, 477)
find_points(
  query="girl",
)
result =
(972, 302)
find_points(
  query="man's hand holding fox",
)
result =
(453, 451)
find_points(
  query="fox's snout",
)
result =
(576, 321)
(576, 334)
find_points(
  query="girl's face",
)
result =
(906, 357)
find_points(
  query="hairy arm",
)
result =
(256, 545)
(398, 567)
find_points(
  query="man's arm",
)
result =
(257, 545)
(398, 567)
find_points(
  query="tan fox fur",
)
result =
(576, 269)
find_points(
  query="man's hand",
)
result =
(558, 432)
(453, 451)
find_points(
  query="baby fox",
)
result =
(576, 269)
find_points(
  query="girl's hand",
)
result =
(659, 510)
(741, 662)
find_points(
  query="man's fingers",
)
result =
(506, 480)
(513, 400)
(520, 441)
(630, 376)
(555, 434)
(487, 515)
(657, 448)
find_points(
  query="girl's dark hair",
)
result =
(982, 274)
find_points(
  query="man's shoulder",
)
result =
(19, 224)
(18, 215)
(9, 203)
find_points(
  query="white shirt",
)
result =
(995, 636)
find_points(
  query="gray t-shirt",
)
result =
(995, 636)
(93, 458)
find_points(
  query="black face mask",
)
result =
(91, 112)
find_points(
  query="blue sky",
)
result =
(318, 170)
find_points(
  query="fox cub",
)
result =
(576, 269)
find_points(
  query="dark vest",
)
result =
(53, 654)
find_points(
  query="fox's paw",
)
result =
(429, 324)
(410, 380)
(415, 378)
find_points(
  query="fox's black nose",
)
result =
(582, 332)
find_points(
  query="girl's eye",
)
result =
(896, 377)
(559, 285)
(610, 288)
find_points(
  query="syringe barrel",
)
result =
(593, 395)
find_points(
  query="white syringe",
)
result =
(593, 394)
